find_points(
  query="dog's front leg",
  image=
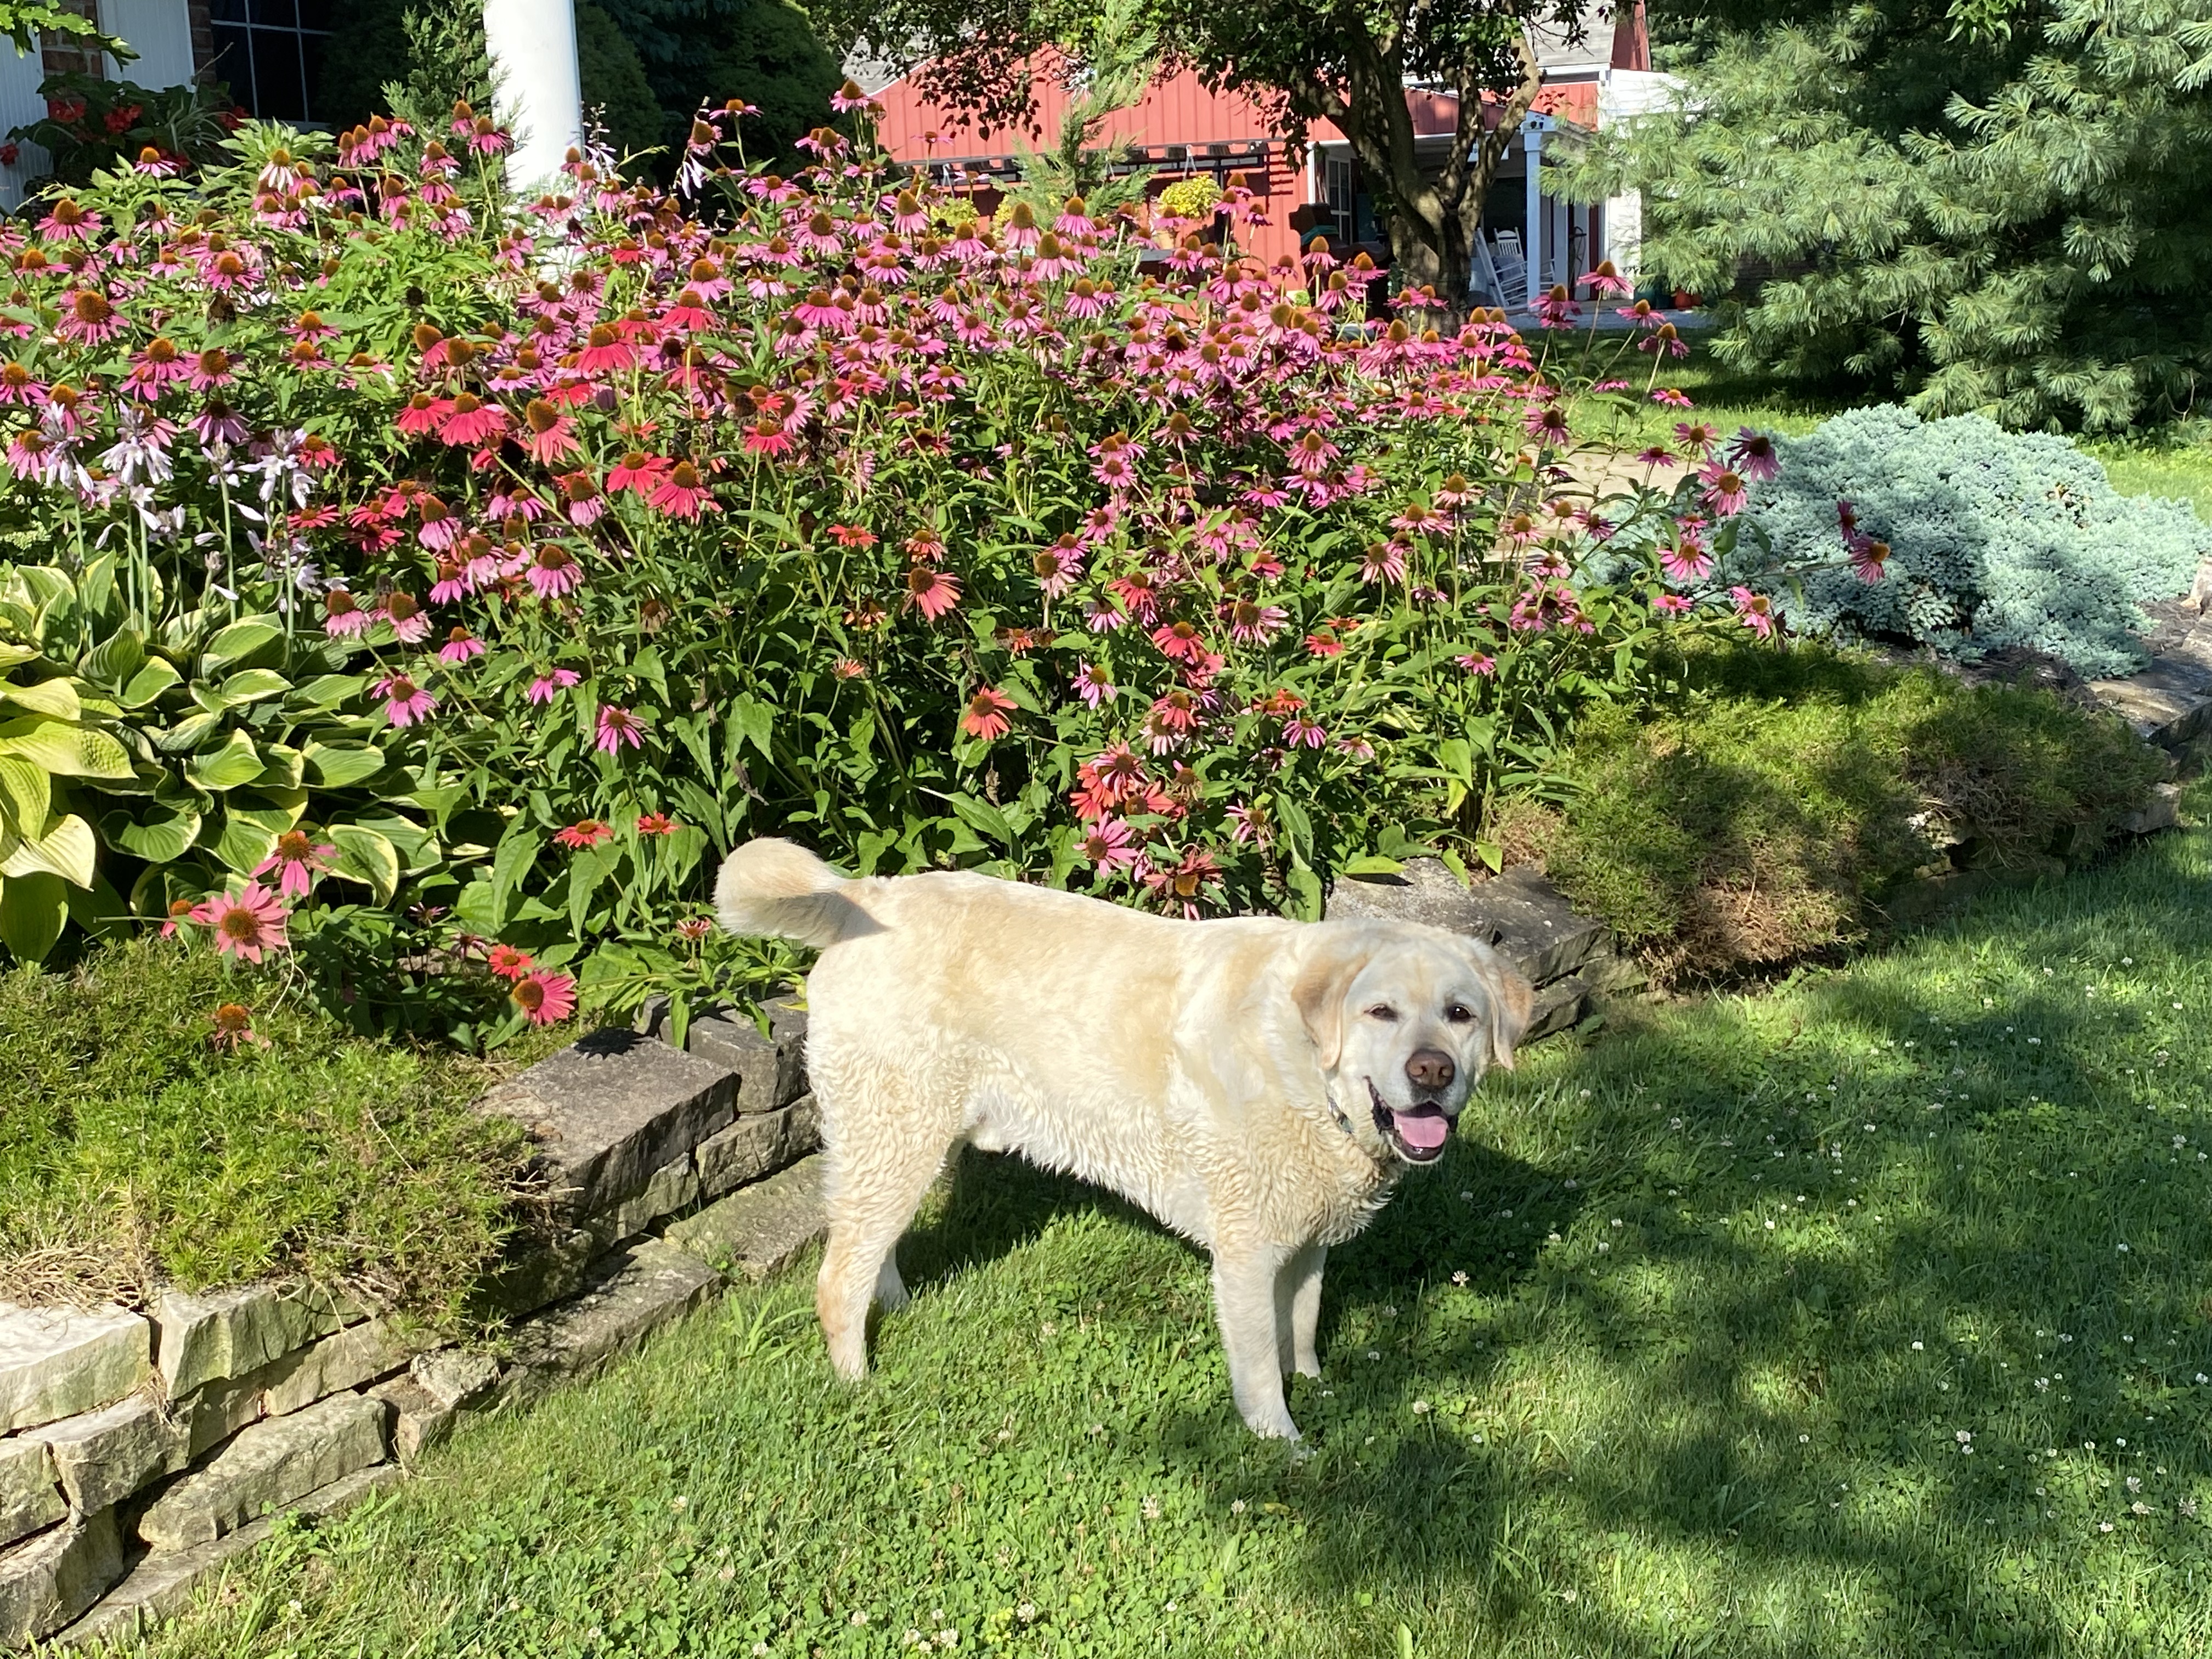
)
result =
(1298, 1310)
(1244, 1301)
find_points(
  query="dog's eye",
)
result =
(1459, 1013)
(1383, 1011)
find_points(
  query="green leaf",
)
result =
(327, 690)
(236, 762)
(164, 833)
(158, 675)
(240, 843)
(69, 752)
(1491, 853)
(248, 685)
(65, 847)
(188, 733)
(33, 909)
(511, 866)
(244, 638)
(282, 767)
(115, 658)
(368, 856)
(337, 765)
(752, 721)
(984, 817)
(26, 791)
(57, 698)
(586, 870)
(1372, 864)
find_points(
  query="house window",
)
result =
(270, 51)
(1336, 191)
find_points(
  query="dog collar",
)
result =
(1342, 1121)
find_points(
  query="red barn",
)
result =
(1181, 129)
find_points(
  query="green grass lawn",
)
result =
(1865, 1316)
(135, 1153)
(2176, 465)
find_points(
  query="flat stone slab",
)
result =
(1519, 912)
(609, 1111)
(758, 1144)
(760, 1229)
(103, 1457)
(266, 1467)
(30, 1497)
(57, 1362)
(1558, 1005)
(225, 1333)
(772, 1069)
(642, 1288)
(346, 1359)
(53, 1575)
(161, 1586)
(430, 1399)
(2168, 703)
(672, 1187)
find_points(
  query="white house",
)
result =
(270, 54)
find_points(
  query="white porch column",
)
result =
(19, 106)
(533, 43)
(1531, 141)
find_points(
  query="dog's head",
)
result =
(1405, 1020)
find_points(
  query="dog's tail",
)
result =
(776, 887)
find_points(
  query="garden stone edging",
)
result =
(140, 1454)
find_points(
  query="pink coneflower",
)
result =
(1419, 517)
(439, 528)
(404, 703)
(1311, 454)
(1685, 559)
(552, 434)
(508, 961)
(1094, 685)
(1299, 732)
(88, 319)
(1547, 425)
(1556, 309)
(1605, 280)
(605, 351)
(471, 421)
(553, 571)
(159, 367)
(1754, 455)
(1756, 609)
(585, 832)
(545, 999)
(932, 592)
(453, 583)
(1109, 845)
(405, 615)
(1179, 641)
(1248, 826)
(684, 494)
(1869, 558)
(849, 668)
(1251, 623)
(693, 930)
(244, 926)
(1668, 397)
(420, 415)
(1324, 642)
(618, 727)
(640, 474)
(1724, 490)
(460, 646)
(1383, 562)
(547, 686)
(655, 823)
(298, 860)
(1671, 605)
(1477, 662)
(342, 618)
(985, 717)
(1138, 594)
(580, 499)
(1058, 567)
(851, 535)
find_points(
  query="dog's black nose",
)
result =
(1430, 1069)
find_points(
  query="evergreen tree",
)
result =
(2003, 208)
(764, 52)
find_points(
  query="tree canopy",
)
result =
(2002, 207)
(1345, 62)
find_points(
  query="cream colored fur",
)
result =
(1238, 1079)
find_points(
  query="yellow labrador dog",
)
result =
(1258, 1084)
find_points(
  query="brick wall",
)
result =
(202, 39)
(63, 54)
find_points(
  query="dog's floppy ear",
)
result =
(1511, 1000)
(1321, 987)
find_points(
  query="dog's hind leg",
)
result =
(878, 1178)
(1297, 1311)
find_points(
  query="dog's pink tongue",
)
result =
(1426, 1130)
